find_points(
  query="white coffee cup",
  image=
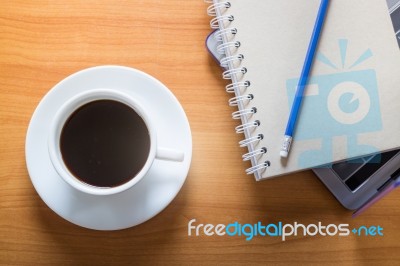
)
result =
(64, 112)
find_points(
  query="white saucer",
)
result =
(144, 200)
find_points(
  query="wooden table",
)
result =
(41, 42)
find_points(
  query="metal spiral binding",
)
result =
(226, 34)
(234, 71)
(212, 9)
(257, 168)
(246, 142)
(239, 86)
(214, 23)
(251, 125)
(223, 46)
(234, 58)
(244, 112)
(253, 154)
(238, 99)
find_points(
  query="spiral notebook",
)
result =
(352, 101)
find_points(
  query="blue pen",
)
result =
(304, 78)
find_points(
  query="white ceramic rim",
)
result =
(64, 113)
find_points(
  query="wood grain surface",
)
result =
(41, 42)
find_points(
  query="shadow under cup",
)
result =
(102, 142)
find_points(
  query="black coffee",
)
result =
(105, 143)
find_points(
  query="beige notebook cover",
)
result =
(352, 104)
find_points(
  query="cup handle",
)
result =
(169, 155)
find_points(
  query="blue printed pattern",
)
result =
(345, 103)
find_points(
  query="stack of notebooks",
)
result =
(352, 101)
